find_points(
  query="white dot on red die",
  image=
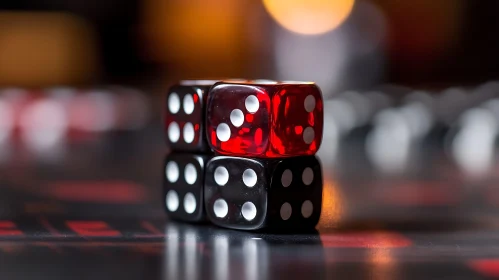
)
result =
(308, 135)
(190, 203)
(223, 132)
(173, 103)
(286, 178)
(188, 104)
(237, 117)
(190, 174)
(286, 211)
(309, 103)
(249, 177)
(307, 176)
(249, 210)
(173, 132)
(172, 172)
(251, 103)
(172, 200)
(307, 208)
(188, 133)
(220, 208)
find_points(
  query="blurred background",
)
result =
(341, 44)
(409, 86)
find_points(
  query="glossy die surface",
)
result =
(251, 194)
(183, 186)
(263, 119)
(184, 118)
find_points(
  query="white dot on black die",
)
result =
(220, 208)
(307, 176)
(188, 133)
(221, 175)
(251, 103)
(173, 103)
(188, 104)
(237, 117)
(286, 211)
(173, 132)
(223, 132)
(309, 103)
(286, 178)
(249, 177)
(172, 200)
(190, 203)
(190, 174)
(307, 208)
(249, 210)
(308, 135)
(172, 172)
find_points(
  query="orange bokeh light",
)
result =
(332, 204)
(309, 16)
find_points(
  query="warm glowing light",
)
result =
(193, 35)
(309, 16)
(39, 49)
(382, 265)
(332, 205)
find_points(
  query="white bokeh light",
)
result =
(6, 121)
(474, 144)
(388, 144)
(43, 124)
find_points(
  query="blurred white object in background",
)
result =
(103, 106)
(331, 135)
(418, 111)
(349, 55)
(321, 59)
(473, 146)
(62, 94)
(342, 114)
(43, 124)
(450, 103)
(360, 104)
(6, 121)
(483, 93)
(397, 133)
(388, 143)
(378, 101)
(345, 112)
(133, 108)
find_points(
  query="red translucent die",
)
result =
(264, 119)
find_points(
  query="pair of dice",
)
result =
(243, 153)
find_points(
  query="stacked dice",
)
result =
(251, 145)
(186, 137)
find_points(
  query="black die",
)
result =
(184, 115)
(250, 194)
(183, 186)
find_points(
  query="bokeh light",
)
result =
(333, 208)
(39, 49)
(309, 16)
